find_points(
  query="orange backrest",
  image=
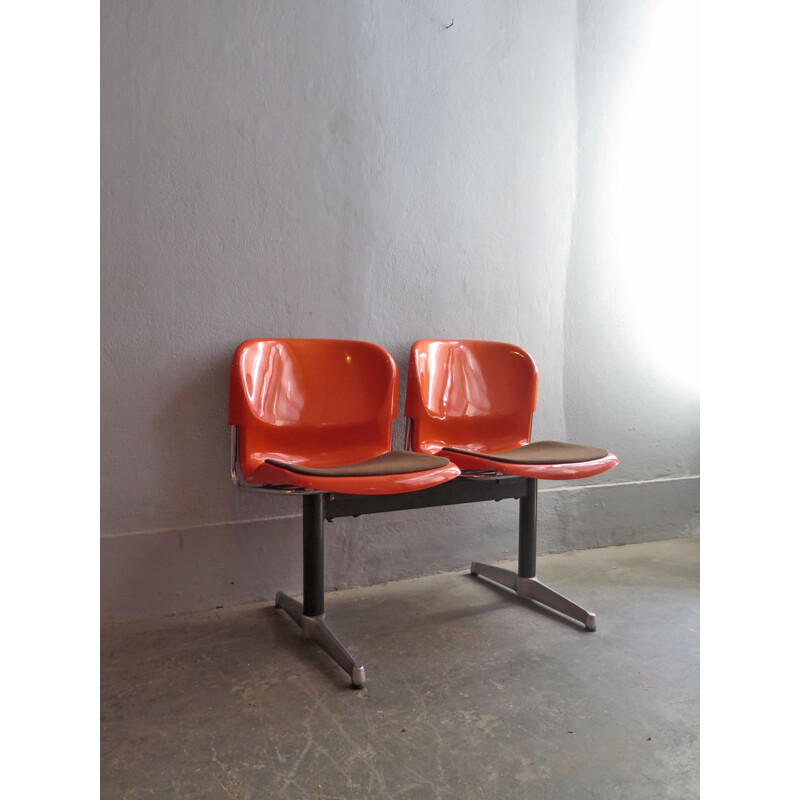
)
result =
(313, 401)
(472, 394)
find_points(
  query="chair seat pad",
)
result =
(397, 462)
(539, 453)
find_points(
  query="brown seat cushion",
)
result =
(397, 462)
(540, 453)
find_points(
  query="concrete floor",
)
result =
(470, 692)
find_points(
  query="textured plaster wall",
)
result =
(383, 171)
(630, 317)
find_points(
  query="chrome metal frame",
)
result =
(407, 441)
(469, 488)
(316, 630)
(310, 614)
(534, 589)
(524, 582)
(240, 482)
(321, 507)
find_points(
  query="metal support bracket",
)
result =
(524, 582)
(319, 507)
(316, 630)
(534, 589)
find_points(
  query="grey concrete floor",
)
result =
(470, 692)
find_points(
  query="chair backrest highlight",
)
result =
(313, 401)
(472, 394)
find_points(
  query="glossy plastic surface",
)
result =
(475, 395)
(479, 396)
(317, 402)
(553, 472)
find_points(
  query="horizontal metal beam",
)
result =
(460, 490)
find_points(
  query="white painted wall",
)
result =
(360, 170)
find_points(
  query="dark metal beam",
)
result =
(527, 532)
(460, 490)
(313, 556)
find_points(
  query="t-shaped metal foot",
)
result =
(316, 630)
(534, 589)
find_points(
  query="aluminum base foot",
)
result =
(316, 630)
(534, 589)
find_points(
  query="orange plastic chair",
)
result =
(314, 416)
(473, 402)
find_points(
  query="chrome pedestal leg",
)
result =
(310, 614)
(524, 582)
(534, 589)
(316, 630)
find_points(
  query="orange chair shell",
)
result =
(317, 403)
(553, 472)
(480, 396)
(471, 394)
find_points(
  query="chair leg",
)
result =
(316, 630)
(524, 582)
(497, 574)
(535, 590)
(309, 615)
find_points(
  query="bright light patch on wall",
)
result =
(652, 185)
